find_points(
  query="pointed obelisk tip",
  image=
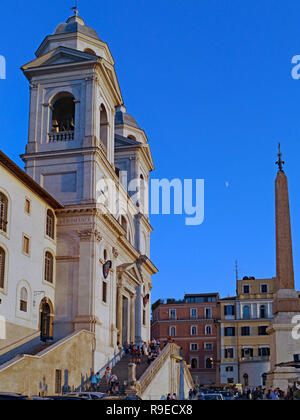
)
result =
(280, 162)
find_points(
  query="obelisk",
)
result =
(283, 347)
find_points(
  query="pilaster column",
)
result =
(120, 312)
(85, 317)
(132, 318)
(138, 314)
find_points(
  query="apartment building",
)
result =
(244, 345)
(192, 324)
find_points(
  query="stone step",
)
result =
(121, 370)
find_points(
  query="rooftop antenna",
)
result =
(236, 275)
(75, 8)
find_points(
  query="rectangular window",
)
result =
(208, 346)
(208, 313)
(229, 369)
(264, 288)
(247, 352)
(262, 330)
(194, 313)
(194, 346)
(296, 357)
(58, 387)
(172, 314)
(264, 351)
(246, 289)
(229, 332)
(26, 245)
(245, 331)
(230, 380)
(27, 206)
(229, 310)
(104, 292)
(229, 353)
(144, 317)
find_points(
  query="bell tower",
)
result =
(74, 92)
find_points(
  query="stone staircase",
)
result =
(121, 370)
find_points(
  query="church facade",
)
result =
(85, 231)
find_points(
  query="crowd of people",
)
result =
(151, 350)
(111, 380)
(139, 353)
(258, 393)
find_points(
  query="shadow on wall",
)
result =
(43, 387)
(66, 387)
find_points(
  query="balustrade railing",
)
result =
(61, 136)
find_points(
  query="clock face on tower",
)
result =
(106, 268)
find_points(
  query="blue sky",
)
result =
(210, 83)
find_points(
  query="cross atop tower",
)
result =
(75, 8)
(280, 162)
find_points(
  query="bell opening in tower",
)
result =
(63, 117)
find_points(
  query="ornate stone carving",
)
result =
(115, 252)
(88, 235)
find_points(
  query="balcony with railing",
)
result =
(60, 136)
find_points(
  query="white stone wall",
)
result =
(22, 270)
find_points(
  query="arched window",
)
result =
(246, 312)
(194, 331)
(131, 137)
(63, 113)
(246, 379)
(173, 331)
(209, 363)
(194, 364)
(49, 267)
(23, 299)
(46, 317)
(103, 126)
(50, 224)
(3, 212)
(263, 311)
(208, 330)
(2, 267)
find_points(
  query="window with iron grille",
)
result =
(3, 212)
(50, 226)
(2, 267)
(49, 267)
